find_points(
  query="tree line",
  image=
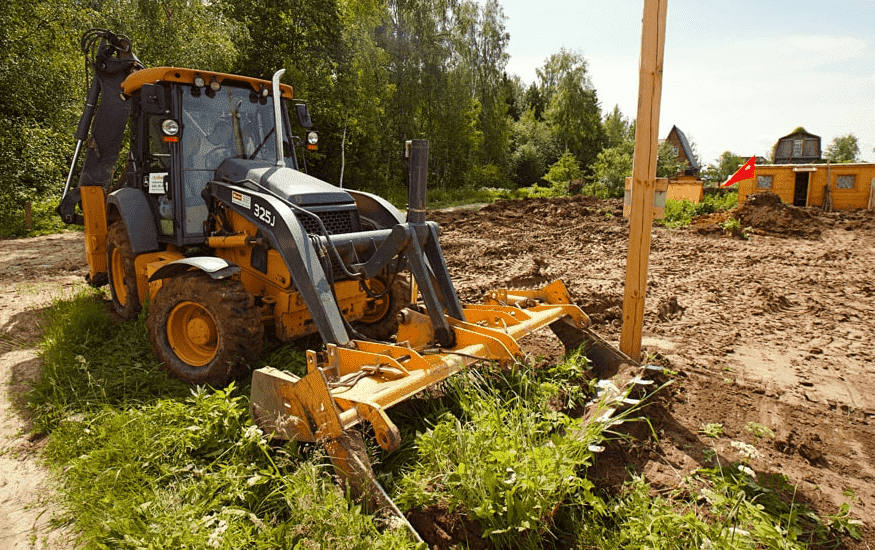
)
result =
(375, 74)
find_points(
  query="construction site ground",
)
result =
(768, 325)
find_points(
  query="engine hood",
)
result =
(286, 183)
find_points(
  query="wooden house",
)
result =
(800, 147)
(689, 188)
(850, 185)
(684, 151)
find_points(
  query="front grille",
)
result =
(336, 222)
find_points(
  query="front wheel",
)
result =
(204, 331)
(380, 321)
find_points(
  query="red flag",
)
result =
(743, 173)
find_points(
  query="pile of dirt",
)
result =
(765, 214)
(710, 224)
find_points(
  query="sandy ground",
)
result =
(775, 329)
(33, 273)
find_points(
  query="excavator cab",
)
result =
(182, 131)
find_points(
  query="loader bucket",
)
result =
(350, 385)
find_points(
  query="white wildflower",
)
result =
(253, 434)
(216, 535)
(747, 471)
(746, 450)
(709, 495)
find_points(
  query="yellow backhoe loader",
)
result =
(216, 223)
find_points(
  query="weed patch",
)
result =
(148, 462)
(509, 460)
(680, 213)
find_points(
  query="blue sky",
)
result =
(738, 74)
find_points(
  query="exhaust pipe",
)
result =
(278, 117)
(417, 154)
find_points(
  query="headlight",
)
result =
(214, 85)
(312, 138)
(170, 127)
(199, 81)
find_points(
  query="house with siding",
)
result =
(684, 185)
(683, 150)
(841, 186)
(799, 147)
(801, 178)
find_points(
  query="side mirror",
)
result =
(303, 115)
(153, 99)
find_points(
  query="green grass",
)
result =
(509, 460)
(680, 213)
(447, 197)
(44, 220)
(148, 462)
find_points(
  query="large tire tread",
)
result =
(126, 305)
(238, 325)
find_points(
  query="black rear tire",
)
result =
(203, 330)
(121, 272)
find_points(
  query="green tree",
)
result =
(564, 170)
(535, 101)
(726, 165)
(618, 129)
(480, 46)
(534, 147)
(572, 105)
(515, 96)
(844, 149)
(667, 164)
(178, 33)
(42, 86)
(610, 169)
(614, 164)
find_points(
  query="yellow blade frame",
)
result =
(356, 383)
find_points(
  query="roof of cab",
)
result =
(186, 76)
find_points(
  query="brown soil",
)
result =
(775, 329)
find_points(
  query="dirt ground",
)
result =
(33, 273)
(770, 325)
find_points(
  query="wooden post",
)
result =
(643, 174)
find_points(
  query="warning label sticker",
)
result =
(156, 183)
(243, 200)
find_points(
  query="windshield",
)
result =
(233, 123)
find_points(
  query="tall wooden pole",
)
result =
(643, 174)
